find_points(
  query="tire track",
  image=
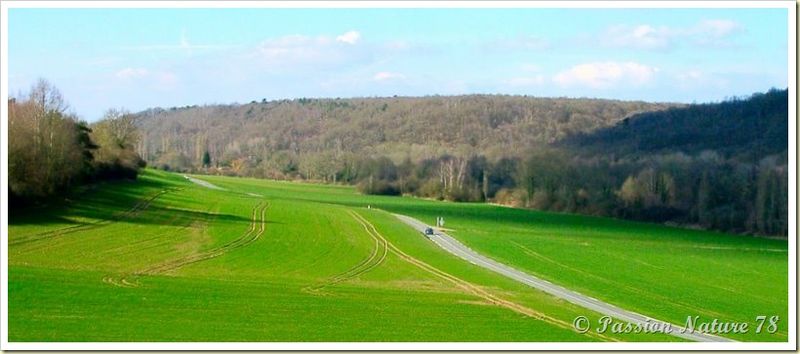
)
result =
(257, 228)
(375, 259)
(469, 287)
(258, 221)
(133, 212)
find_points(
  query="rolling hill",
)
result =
(399, 127)
(750, 128)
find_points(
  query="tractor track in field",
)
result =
(467, 286)
(257, 228)
(133, 212)
(258, 222)
(375, 259)
(210, 215)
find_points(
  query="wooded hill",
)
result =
(269, 135)
(717, 165)
(748, 128)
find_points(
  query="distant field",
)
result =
(164, 259)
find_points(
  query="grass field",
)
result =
(164, 259)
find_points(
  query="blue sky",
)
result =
(140, 58)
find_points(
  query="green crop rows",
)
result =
(164, 259)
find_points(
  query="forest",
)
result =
(51, 151)
(320, 139)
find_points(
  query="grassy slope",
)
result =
(668, 273)
(72, 273)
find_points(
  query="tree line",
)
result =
(51, 151)
(707, 190)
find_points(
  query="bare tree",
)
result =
(44, 150)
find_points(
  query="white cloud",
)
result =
(163, 80)
(183, 44)
(603, 75)
(131, 73)
(386, 75)
(717, 28)
(642, 36)
(696, 79)
(301, 52)
(350, 37)
(716, 32)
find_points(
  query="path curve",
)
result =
(458, 249)
(257, 227)
(372, 261)
(467, 286)
(203, 183)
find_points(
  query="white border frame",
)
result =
(792, 62)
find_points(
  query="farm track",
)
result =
(467, 286)
(257, 228)
(458, 249)
(133, 212)
(375, 259)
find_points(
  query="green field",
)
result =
(164, 259)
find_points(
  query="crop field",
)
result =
(166, 259)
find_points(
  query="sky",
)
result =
(141, 58)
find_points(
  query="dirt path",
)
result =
(204, 183)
